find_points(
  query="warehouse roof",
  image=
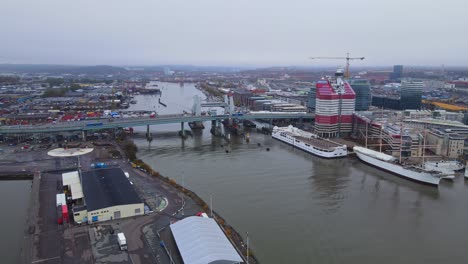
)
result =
(72, 179)
(200, 240)
(107, 187)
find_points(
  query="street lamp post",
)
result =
(247, 247)
(211, 205)
(183, 193)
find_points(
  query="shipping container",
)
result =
(65, 213)
(60, 197)
(59, 215)
(100, 165)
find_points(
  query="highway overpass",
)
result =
(110, 123)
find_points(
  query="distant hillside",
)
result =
(192, 68)
(60, 69)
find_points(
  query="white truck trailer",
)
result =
(122, 241)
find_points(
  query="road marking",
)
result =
(42, 260)
(130, 256)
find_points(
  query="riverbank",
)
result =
(16, 175)
(209, 91)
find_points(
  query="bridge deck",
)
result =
(106, 123)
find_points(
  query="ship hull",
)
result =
(420, 177)
(337, 153)
(466, 171)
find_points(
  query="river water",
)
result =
(14, 202)
(299, 208)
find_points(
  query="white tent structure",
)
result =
(72, 179)
(201, 241)
(69, 152)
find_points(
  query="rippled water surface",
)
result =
(14, 202)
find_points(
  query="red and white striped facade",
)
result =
(334, 107)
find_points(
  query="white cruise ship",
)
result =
(309, 142)
(390, 164)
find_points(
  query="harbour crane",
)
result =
(347, 58)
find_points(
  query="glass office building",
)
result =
(363, 95)
(411, 94)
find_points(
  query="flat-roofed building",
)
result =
(72, 185)
(108, 195)
(445, 143)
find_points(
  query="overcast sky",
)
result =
(233, 32)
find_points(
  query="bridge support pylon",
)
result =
(182, 129)
(149, 137)
(216, 128)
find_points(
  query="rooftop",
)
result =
(107, 187)
(72, 179)
(200, 240)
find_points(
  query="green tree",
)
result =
(9, 79)
(74, 87)
(130, 150)
(53, 92)
(55, 81)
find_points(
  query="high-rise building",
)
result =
(168, 71)
(363, 95)
(410, 94)
(397, 72)
(465, 118)
(311, 98)
(334, 106)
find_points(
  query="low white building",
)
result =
(72, 185)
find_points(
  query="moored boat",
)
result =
(466, 171)
(391, 164)
(309, 142)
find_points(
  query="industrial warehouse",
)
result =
(101, 195)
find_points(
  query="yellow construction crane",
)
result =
(347, 58)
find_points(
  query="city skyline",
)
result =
(244, 33)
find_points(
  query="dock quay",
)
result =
(16, 175)
(349, 144)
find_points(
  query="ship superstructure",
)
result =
(309, 142)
